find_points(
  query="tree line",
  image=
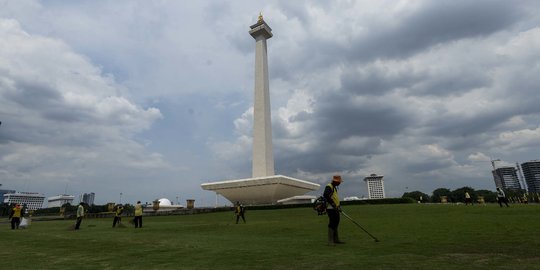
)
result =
(458, 195)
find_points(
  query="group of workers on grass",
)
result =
(137, 220)
(331, 196)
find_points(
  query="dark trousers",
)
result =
(333, 218)
(138, 221)
(502, 200)
(468, 200)
(15, 221)
(116, 220)
(78, 224)
(238, 218)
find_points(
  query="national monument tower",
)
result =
(263, 157)
(264, 187)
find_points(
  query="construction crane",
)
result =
(493, 163)
(521, 177)
(495, 177)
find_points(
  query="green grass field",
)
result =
(412, 237)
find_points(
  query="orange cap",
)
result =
(337, 178)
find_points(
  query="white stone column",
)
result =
(263, 157)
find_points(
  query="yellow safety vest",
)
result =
(16, 212)
(80, 211)
(334, 197)
(119, 211)
(138, 210)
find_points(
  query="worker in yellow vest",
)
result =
(468, 198)
(239, 211)
(333, 210)
(15, 216)
(80, 215)
(138, 215)
(118, 215)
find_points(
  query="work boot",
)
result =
(331, 237)
(336, 238)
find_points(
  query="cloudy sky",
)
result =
(152, 98)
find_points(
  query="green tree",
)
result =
(96, 208)
(438, 193)
(514, 195)
(415, 195)
(458, 195)
(489, 196)
(4, 209)
(129, 209)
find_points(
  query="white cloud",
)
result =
(62, 118)
(416, 91)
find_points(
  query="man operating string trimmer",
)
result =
(333, 211)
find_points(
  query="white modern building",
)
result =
(506, 178)
(32, 200)
(264, 187)
(4, 191)
(59, 200)
(375, 186)
(302, 199)
(531, 171)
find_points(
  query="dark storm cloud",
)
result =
(394, 86)
(466, 124)
(316, 160)
(435, 22)
(424, 166)
(324, 157)
(407, 34)
(450, 83)
(373, 81)
(343, 135)
(67, 114)
(40, 96)
(34, 95)
(339, 116)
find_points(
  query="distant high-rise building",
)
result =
(32, 200)
(506, 178)
(88, 198)
(531, 171)
(4, 191)
(375, 186)
(59, 200)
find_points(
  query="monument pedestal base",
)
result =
(261, 190)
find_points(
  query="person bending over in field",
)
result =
(15, 216)
(501, 197)
(239, 211)
(333, 211)
(118, 215)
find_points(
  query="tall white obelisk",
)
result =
(264, 187)
(263, 157)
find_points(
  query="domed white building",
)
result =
(165, 205)
(164, 202)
